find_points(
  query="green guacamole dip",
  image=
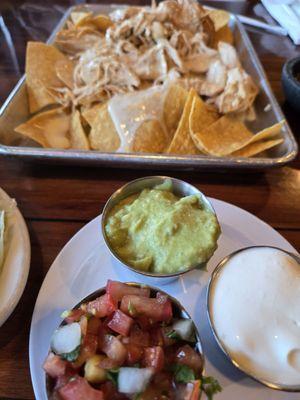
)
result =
(158, 232)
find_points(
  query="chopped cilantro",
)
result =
(112, 375)
(210, 386)
(183, 374)
(173, 335)
(72, 356)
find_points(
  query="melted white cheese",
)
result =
(130, 110)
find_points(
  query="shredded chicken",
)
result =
(150, 45)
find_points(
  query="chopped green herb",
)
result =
(137, 396)
(72, 356)
(137, 365)
(183, 374)
(210, 386)
(173, 335)
(112, 375)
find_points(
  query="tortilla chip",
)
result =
(77, 135)
(99, 22)
(224, 136)
(201, 116)
(267, 133)
(182, 142)
(220, 18)
(102, 22)
(209, 29)
(90, 114)
(150, 138)
(78, 17)
(223, 35)
(103, 135)
(255, 148)
(49, 129)
(41, 60)
(173, 107)
(65, 71)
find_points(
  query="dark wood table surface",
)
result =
(57, 201)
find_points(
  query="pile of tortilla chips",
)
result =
(189, 126)
(201, 130)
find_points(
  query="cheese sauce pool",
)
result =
(255, 310)
(129, 111)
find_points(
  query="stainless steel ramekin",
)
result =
(213, 279)
(180, 189)
(178, 312)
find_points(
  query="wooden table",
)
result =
(57, 201)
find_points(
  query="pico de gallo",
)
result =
(128, 343)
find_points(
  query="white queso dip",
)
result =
(255, 310)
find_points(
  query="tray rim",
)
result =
(158, 160)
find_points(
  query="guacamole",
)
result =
(156, 231)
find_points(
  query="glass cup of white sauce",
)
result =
(253, 305)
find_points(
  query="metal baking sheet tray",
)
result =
(15, 111)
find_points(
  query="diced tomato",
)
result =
(102, 306)
(139, 337)
(156, 336)
(61, 381)
(192, 391)
(154, 357)
(152, 308)
(188, 356)
(118, 289)
(87, 350)
(114, 349)
(134, 353)
(120, 323)
(64, 379)
(79, 389)
(163, 380)
(170, 354)
(54, 365)
(108, 363)
(166, 339)
(103, 330)
(93, 326)
(110, 392)
(144, 322)
(154, 393)
(74, 315)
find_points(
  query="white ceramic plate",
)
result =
(85, 264)
(15, 268)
